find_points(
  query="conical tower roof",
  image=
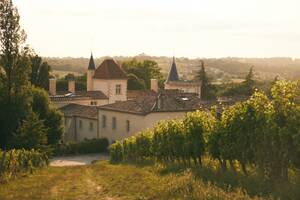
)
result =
(91, 63)
(173, 74)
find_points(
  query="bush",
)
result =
(87, 146)
(15, 162)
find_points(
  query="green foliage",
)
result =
(80, 82)
(32, 134)
(135, 83)
(16, 162)
(208, 91)
(84, 147)
(52, 118)
(259, 132)
(39, 72)
(14, 73)
(140, 73)
(173, 140)
(116, 151)
(245, 88)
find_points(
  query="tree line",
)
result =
(263, 132)
(26, 116)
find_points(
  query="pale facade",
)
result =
(115, 125)
(115, 89)
(79, 128)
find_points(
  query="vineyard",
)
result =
(262, 133)
(17, 162)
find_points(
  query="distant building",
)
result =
(106, 84)
(81, 122)
(123, 119)
(108, 110)
(173, 82)
(109, 78)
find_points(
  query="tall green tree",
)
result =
(40, 72)
(208, 91)
(249, 82)
(142, 72)
(51, 117)
(32, 134)
(14, 72)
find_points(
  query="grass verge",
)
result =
(103, 180)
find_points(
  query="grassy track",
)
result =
(112, 182)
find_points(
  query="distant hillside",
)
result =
(221, 69)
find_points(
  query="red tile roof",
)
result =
(109, 69)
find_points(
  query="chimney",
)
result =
(154, 85)
(52, 86)
(71, 86)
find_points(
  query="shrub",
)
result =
(15, 162)
(87, 146)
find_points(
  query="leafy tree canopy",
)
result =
(141, 73)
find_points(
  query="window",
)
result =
(118, 89)
(127, 125)
(91, 126)
(103, 121)
(114, 123)
(80, 124)
(93, 102)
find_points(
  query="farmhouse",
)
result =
(106, 84)
(107, 109)
(122, 119)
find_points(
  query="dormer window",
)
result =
(118, 89)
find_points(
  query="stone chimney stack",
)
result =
(71, 86)
(52, 86)
(154, 85)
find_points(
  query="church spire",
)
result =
(91, 63)
(173, 75)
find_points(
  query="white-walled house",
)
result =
(108, 78)
(106, 84)
(80, 122)
(122, 119)
(108, 110)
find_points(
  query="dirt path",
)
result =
(77, 160)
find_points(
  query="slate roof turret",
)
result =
(91, 65)
(173, 74)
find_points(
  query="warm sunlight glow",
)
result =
(191, 28)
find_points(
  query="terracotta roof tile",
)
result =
(109, 69)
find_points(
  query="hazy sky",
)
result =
(190, 28)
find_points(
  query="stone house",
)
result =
(81, 122)
(107, 109)
(122, 119)
(106, 84)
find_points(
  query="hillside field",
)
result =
(218, 69)
(103, 180)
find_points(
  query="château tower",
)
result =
(90, 74)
